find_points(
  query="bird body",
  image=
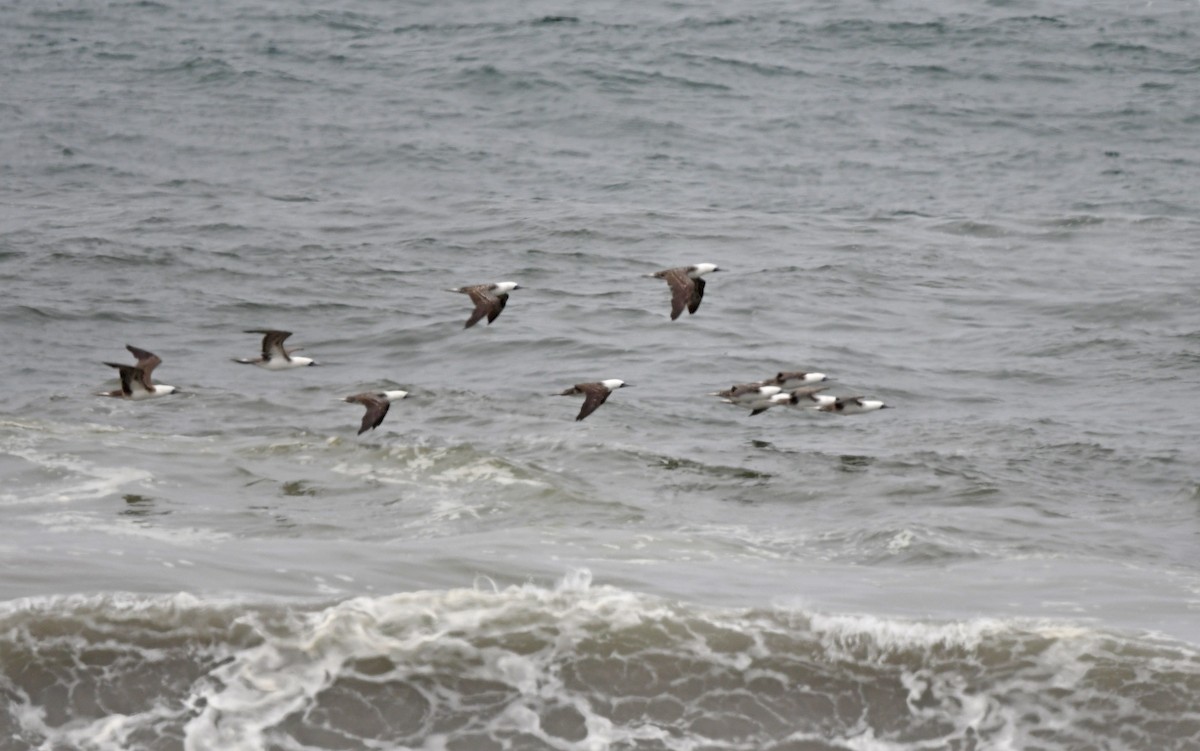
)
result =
(794, 379)
(274, 356)
(745, 393)
(594, 394)
(852, 405)
(808, 396)
(687, 286)
(489, 300)
(377, 404)
(135, 379)
(758, 406)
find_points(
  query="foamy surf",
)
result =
(574, 666)
(75, 479)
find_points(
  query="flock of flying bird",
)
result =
(796, 389)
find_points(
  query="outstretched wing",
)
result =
(485, 304)
(272, 343)
(146, 362)
(697, 294)
(497, 306)
(681, 289)
(377, 409)
(132, 378)
(594, 394)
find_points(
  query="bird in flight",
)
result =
(594, 394)
(687, 286)
(489, 300)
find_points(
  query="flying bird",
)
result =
(744, 393)
(687, 286)
(852, 405)
(808, 396)
(489, 300)
(761, 397)
(793, 379)
(274, 356)
(377, 404)
(135, 379)
(594, 394)
(758, 406)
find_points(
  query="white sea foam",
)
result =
(83, 480)
(583, 667)
(901, 541)
(436, 467)
(420, 631)
(108, 526)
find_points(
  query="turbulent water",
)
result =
(984, 214)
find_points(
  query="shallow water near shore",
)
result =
(987, 219)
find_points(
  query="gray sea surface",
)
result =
(984, 214)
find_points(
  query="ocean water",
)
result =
(984, 214)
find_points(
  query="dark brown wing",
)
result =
(697, 294)
(486, 304)
(787, 375)
(272, 344)
(146, 363)
(481, 309)
(129, 374)
(682, 289)
(594, 394)
(501, 301)
(742, 389)
(377, 409)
